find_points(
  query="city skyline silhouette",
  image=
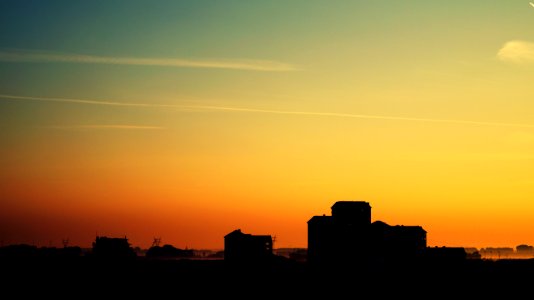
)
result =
(281, 149)
(346, 237)
(346, 251)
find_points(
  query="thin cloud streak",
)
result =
(254, 110)
(517, 52)
(127, 127)
(241, 64)
(80, 101)
(329, 114)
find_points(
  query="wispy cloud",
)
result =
(80, 101)
(517, 52)
(239, 64)
(358, 116)
(82, 127)
(265, 111)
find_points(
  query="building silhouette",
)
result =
(169, 251)
(349, 237)
(241, 247)
(523, 248)
(107, 247)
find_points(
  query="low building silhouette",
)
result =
(107, 247)
(397, 242)
(472, 253)
(497, 252)
(31, 251)
(349, 237)
(523, 248)
(169, 251)
(19, 250)
(241, 247)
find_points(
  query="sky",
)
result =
(186, 120)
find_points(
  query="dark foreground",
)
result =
(80, 277)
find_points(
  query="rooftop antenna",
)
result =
(274, 240)
(156, 242)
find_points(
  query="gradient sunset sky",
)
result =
(186, 120)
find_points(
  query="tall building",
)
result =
(356, 213)
(349, 237)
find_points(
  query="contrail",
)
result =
(344, 115)
(79, 101)
(239, 64)
(265, 111)
(128, 127)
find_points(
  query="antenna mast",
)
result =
(156, 242)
